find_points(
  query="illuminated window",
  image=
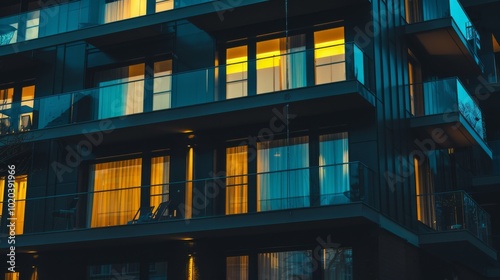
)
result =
(424, 191)
(116, 192)
(236, 72)
(26, 110)
(6, 96)
(237, 268)
(189, 184)
(160, 174)
(162, 92)
(164, 5)
(12, 276)
(32, 25)
(280, 67)
(115, 10)
(21, 187)
(329, 55)
(237, 180)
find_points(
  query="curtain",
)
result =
(160, 174)
(285, 265)
(295, 62)
(162, 85)
(116, 187)
(237, 268)
(121, 91)
(334, 170)
(279, 188)
(123, 9)
(237, 180)
(20, 185)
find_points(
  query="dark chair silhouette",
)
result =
(4, 126)
(143, 214)
(162, 212)
(25, 122)
(69, 214)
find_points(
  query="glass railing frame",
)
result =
(51, 203)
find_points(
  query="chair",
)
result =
(162, 212)
(25, 122)
(4, 126)
(143, 214)
(69, 214)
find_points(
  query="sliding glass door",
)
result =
(334, 168)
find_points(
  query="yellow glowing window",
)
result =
(268, 54)
(237, 60)
(329, 42)
(20, 187)
(116, 187)
(236, 182)
(159, 180)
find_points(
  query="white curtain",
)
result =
(296, 62)
(279, 188)
(334, 170)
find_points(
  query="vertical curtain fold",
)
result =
(334, 168)
(237, 180)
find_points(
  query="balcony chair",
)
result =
(143, 214)
(163, 212)
(69, 213)
(25, 123)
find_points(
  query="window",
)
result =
(116, 192)
(236, 72)
(237, 180)
(115, 271)
(16, 116)
(424, 191)
(329, 55)
(12, 276)
(337, 264)
(21, 187)
(162, 92)
(164, 5)
(415, 86)
(277, 187)
(115, 10)
(32, 25)
(237, 268)
(334, 168)
(279, 67)
(160, 175)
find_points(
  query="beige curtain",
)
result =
(237, 180)
(124, 9)
(116, 197)
(160, 167)
(237, 268)
(20, 185)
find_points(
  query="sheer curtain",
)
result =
(116, 187)
(285, 265)
(296, 62)
(160, 175)
(237, 180)
(278, 188)
(333, 171)
(337, 264)
(123, 9)
(237, 268)
(121, 91)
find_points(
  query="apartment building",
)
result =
(249, 139)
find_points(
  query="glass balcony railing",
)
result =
(452, 211)
(446, 96)
(344, 62)
(56, 19)
(308, 187)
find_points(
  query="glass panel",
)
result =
(158, 271)
(6, 96)
(268, 66)
(329, 55)
(20, 187)
(12, 276)
(121, 91)
(116, 10)
(334, 178)
(337, 264)
(237, 268)
(236, 72)
(237, 181)
(27, 103)
(160, 174)
(162, 92)
(285, 265)
(32, 25)
(115, 201)
(129, 271)
(164, 5)
(285, 189)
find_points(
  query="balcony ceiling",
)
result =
(440, 40)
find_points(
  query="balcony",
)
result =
(51, 20)
(446, 34)
(456, 222)
(446, 113)
(342, 82)
(309, 196)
